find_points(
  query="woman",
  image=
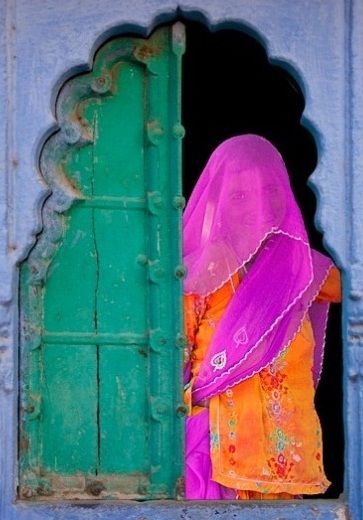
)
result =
(256, 306)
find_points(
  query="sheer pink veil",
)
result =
(242, 215)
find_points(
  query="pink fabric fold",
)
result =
(198, 467)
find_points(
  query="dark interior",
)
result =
(230, 88)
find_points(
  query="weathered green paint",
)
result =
(101, 327)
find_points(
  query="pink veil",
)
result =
(242, 215)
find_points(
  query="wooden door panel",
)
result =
(69, 434)
(119, 123)
(69, 295)
(101, 322)
(124, 413)
(122, 284)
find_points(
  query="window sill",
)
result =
(182, 510)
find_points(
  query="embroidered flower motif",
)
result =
(272, 381)
(275, 408)
(281, 459)
(240, 337)
(280, 467)
(280, 445)
(276, 394)
(219, 360)
(279, 364)
(296, 457)
(280, 438)
(214, 440)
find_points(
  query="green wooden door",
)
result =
(101, 329)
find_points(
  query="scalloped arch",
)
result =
(202, 16)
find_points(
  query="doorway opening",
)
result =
(230, 88)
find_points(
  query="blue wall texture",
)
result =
(320, 43)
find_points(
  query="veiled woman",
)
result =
(256, 304)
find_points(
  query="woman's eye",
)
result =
(238, 195)
(271, 189)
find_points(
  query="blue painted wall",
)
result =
(320, 42)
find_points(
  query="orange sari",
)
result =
(266, 440)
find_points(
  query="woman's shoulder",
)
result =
(331, 288)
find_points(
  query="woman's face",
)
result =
(251, 199)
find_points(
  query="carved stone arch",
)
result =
(260, 30)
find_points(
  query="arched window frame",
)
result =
(321, 44)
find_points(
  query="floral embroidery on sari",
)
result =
(273, 383)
